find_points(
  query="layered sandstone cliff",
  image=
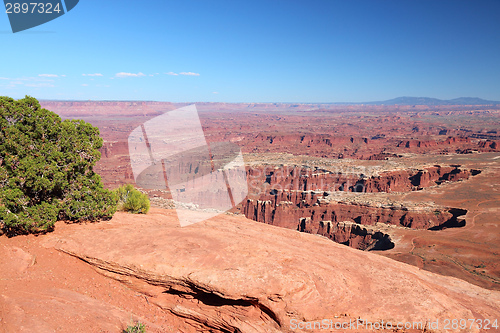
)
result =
(307, 179)
(315, 201)
(310, 211)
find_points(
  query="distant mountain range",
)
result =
(434, 101)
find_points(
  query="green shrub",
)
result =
(46, 169)
(137, 328)
(132, 200)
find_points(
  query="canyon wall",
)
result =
(287, 207)
(349, 223)
(309, 179)
(377, 147)
(307, 200)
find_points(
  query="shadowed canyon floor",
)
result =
(227, 274)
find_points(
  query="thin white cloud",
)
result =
(39, 85)
(85, 85)
(95, 74)
(11, 84)
(172, 73)
(36, 82)
(28, 79)
(48, 75)
(123, 74)
(215, 92)
(189, 73)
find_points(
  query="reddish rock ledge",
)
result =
(227, 274)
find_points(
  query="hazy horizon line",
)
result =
(269, 102)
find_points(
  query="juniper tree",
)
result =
(46, 169)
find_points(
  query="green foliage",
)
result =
(137, 328)
(131, 199)
(46, 169)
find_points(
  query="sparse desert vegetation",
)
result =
(135, 328)
(131, 200)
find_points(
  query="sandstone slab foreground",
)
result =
(230, 274)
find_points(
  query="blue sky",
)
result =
(257, 51)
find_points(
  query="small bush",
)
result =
(137, 328)
(132, 200)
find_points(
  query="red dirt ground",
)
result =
(44, 290)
